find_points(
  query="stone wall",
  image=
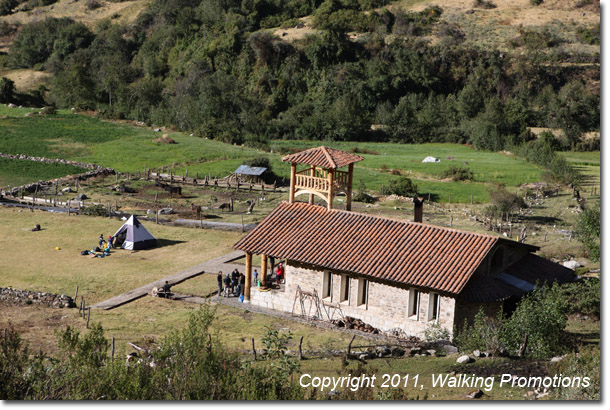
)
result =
(466, 311)
(27, 297)
(386, 308)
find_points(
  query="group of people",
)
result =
(234, 284)
(100, 251)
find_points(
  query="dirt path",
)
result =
(211, 266)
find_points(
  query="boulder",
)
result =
(81, 197)
(571, 264)
(464, 359)
(476, 353)
(475, 394)
(557, 359)
(450, 349)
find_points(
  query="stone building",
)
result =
(392, 274)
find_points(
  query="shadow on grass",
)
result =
(167, 242)
(541, 219)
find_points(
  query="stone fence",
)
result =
(27, 297)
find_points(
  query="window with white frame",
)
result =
(344, 289)
(327, 285)
(434, 305)
(413, 308)
(363, 290)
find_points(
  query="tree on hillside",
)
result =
(7, 89)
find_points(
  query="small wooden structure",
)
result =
(323, 178)
(247, 174)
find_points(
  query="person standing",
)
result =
(219, 279)
(279, 273)
(255, 277)
(242, 284)
(101, 240)
(227, 285)
(234, 281)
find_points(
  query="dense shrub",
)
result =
(588, 230)
(7, 6)
(37, 41)
(583, 297)
(457, 173)
(541, 315)
(7, 89)
(361, 196)
(485, 333)
(505, 203)
(402, 186)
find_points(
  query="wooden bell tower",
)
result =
(322, 178)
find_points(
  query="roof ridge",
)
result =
(329, 157)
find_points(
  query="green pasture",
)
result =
(18, 172)
(129, 149)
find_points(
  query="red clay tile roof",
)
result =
(390, 250)
(531, 268)
(323, 157)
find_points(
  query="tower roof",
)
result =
(323, 157)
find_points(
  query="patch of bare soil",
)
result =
(37, 324)
(26, 79)
(521, 12)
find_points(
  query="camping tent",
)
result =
(133, 236)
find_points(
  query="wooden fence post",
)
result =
(112, 349)
(88, 316)
(253, 349)
(300, 348)
(349, 346)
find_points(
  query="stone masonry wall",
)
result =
(386, 308)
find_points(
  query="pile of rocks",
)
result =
(349, 322)
(27, 297)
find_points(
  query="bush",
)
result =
(484, 4)
(484, 334)
(583, 297)
(7, 6)
(435, 332)
(362, 196)
(588, 230)
(402, 186)
(458, 173)
(542, 315)
(7, 90)
(536, 2)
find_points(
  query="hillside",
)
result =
(481, 72)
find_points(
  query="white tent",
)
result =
(431, 159)
(133, 236)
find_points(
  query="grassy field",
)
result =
(18, 172)
(129, 148)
